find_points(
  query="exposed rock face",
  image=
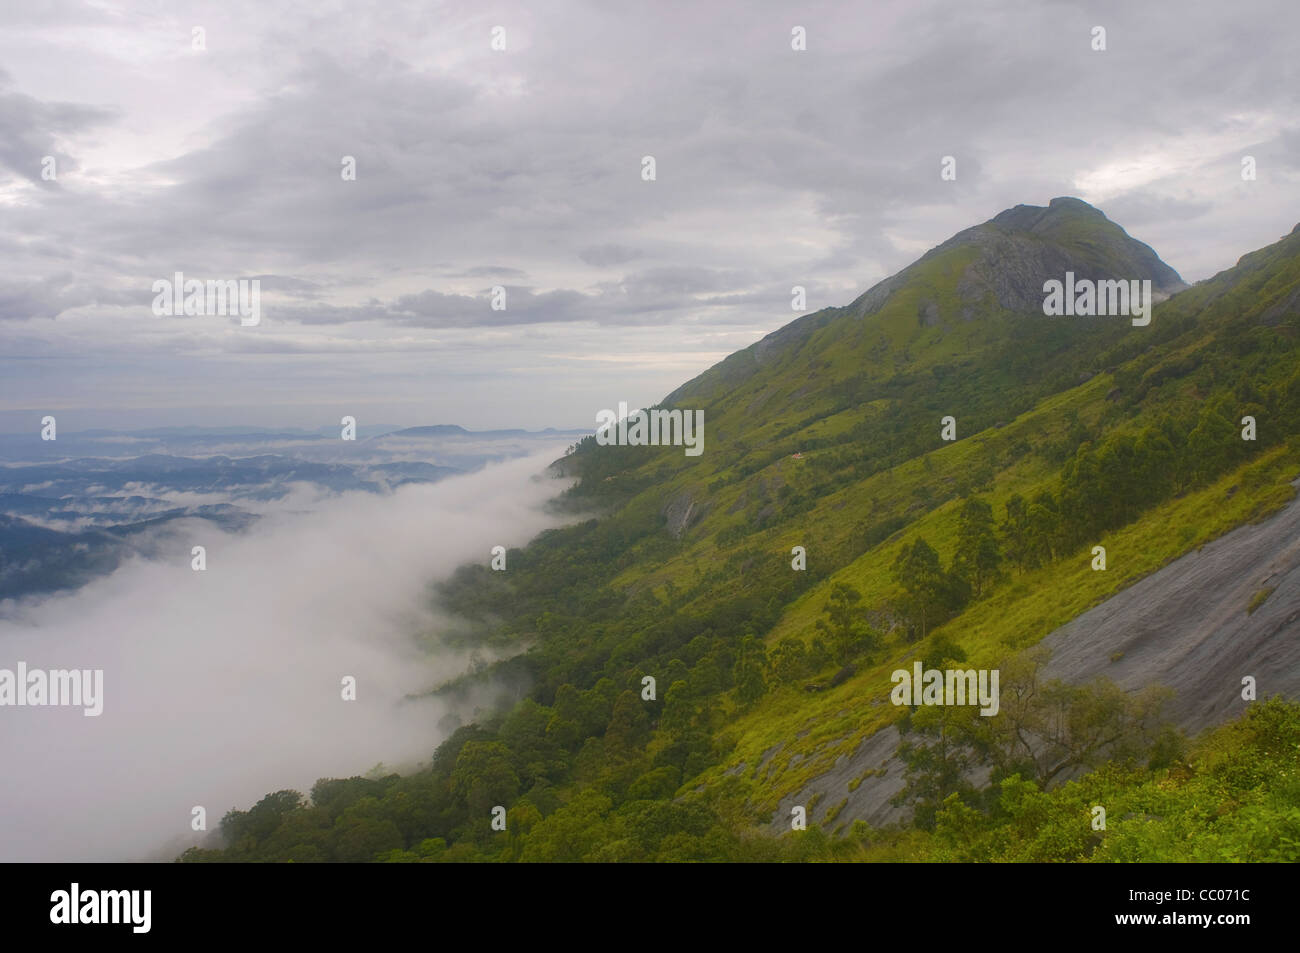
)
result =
(1186, 626)
(684, 510)
(1025, 244)
(1021, 247)
(869, 801)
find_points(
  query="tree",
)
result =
(1084, 500)
(571, 833)
(918, 571)
(680, 711)
(520, 819)
(358, 839)
(942, 649)
(1042, 530)
(978, 555)
(629, 726)
(259, 821)
(1212, 444)
(845, 624)
(819, 655)
(534, 755)
(748, 673)
(937, 753)
(1045, 730)
(788, 661)
(483, 777)
(1156, 469)
(1014, 531)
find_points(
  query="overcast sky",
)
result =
(522, 168)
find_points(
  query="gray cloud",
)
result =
(491, 271)
(603, 256)
(523, 168)
(31, 129)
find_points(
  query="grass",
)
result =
(1258, 599)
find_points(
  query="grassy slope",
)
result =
(816, 729)
(861, 398)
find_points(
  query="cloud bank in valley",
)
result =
(221, 686)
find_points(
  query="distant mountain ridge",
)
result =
(71, 509)
(454, 430)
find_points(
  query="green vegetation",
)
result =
(1071, 434)
(1236, 798)
(1046, 730)
(1258, 599)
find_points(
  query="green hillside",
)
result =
(1071, 432)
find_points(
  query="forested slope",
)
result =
(1071, 434)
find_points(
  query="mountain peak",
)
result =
(1057, 211)
(1016, 250)
(993, 270)
(1032, 218)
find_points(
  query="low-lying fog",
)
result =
(224, 685)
